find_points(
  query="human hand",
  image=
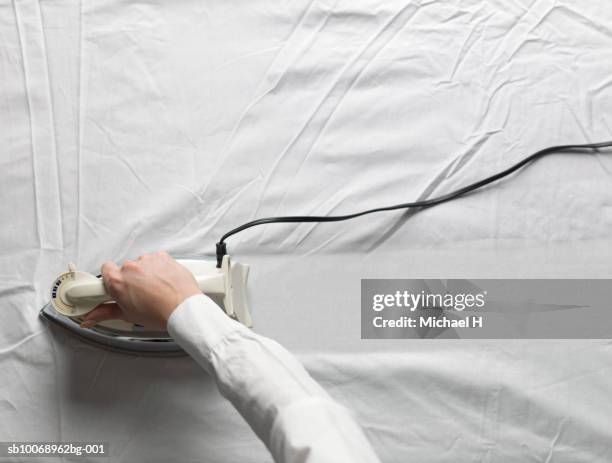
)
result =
(145, 291)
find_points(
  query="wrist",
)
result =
(171, 307)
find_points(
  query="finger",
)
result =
(144, 257)
(163, 255)
(111, 275)
(109, 267)
(101, 313)
(129, 266)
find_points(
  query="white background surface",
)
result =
(130, 127)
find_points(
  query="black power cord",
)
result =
(221, 249)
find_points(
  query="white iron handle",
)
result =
(208, 284)
(211, 284)
(89, 290)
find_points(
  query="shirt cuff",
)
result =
(198, 324)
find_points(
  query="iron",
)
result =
(75, 293)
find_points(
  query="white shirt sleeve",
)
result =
(294, 417)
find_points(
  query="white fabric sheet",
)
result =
(136, 126)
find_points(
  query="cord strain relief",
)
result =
(221, 251)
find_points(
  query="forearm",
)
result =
(294, 417)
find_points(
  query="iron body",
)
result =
(75, 293)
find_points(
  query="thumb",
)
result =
(101, 313)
